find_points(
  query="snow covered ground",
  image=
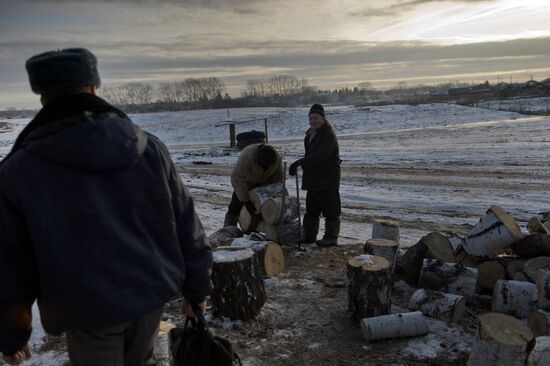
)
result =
(433, 167)
(526, 105)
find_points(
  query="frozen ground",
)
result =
(527, 105)
(433, 167)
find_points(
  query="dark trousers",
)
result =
(323, 202)
(235, 205)
(127, 344)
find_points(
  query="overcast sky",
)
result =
(330, 43)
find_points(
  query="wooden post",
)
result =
(238, 284)
(394, 326)
(515, 298)
(369, 286)
(500, 340)
(266, 134)
(232, 139)
(438, 305)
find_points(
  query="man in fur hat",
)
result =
(258, 165)
(95, 224)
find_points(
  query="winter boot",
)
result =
(311, 228)
(332, 229)
(230, 220)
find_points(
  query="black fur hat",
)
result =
(61, 69)
(267, 155)
(317, 108)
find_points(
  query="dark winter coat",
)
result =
(94, 223)
(321, 164)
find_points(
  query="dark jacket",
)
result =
(321, 164)
(94, 223)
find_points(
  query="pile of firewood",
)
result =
(276, 214)
(495, 258)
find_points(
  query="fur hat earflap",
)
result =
(62, 69)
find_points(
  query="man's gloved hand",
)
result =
(250, 207)
(294, 167)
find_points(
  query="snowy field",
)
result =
(433, 167)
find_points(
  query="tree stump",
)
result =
(540, 354)
(272, 207)
(394, 326)
(438, 305)
(220, 237)
(532, 266)
(284, 234)
(385, 229)
(535, 226)
(489, 272)
(238, 285)
(539, 322)
(452, 278)
(500, 340)
(270, 255)
(383, 248)
(495, 231)
(248, 222)
(514, 298)
(532, 246)
(259, 195)
(369, 286)
(543, 289)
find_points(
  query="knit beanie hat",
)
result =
(62, 69)
(266, 155)
(317, 108)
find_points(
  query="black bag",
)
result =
(196, 345)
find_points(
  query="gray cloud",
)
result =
(403, 6)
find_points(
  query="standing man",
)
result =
(94, 223)
(321, 166)
(258, 165)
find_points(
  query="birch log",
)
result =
(238, 284)
(514, 298)
(259, 195)
(283, 234)
(514, 266)
(539, 322)
(270, 255)
(394, 326)
(540, 354)
(500, 340)
(489, 272)
(494, 232)
(248, 222)
(383, 248)
(452, 278)
(441, 247)
(438, 305)
(385, 229)
(271, 210)
(370, 285)
(532, 246)
(543, 289)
